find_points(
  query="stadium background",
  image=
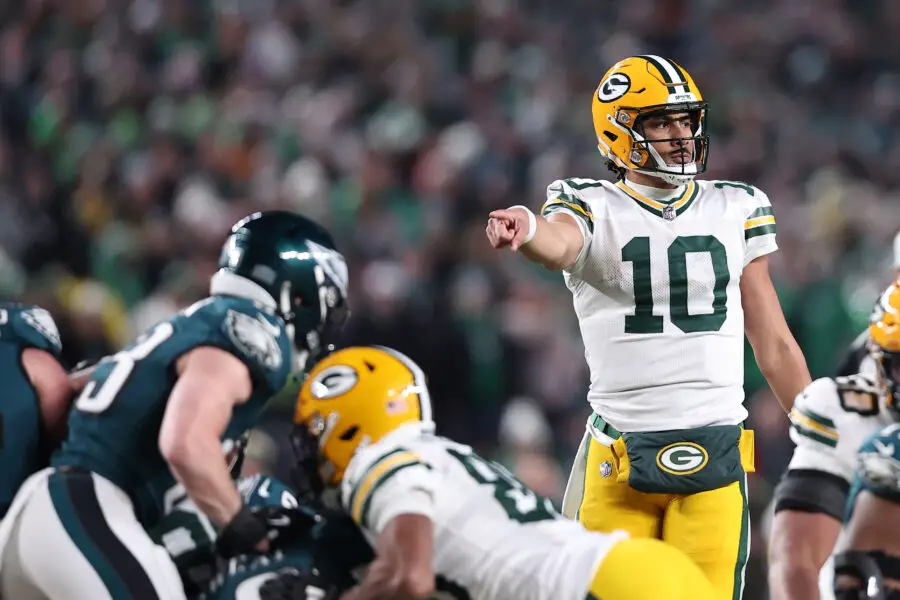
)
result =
(134, 132)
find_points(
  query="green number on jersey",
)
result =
(734, 184)
(520, 503)
(637, 252)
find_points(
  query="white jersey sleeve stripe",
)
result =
(383, 468)
(815, 427)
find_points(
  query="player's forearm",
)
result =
(200, 468)
(551, 246)
(784, 367)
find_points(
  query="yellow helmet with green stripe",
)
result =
(884, 344)
(632, 90)
(354, 397)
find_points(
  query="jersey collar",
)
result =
(667, 209)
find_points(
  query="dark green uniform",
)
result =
(189, 536)
(22, 447)
(114, 428)
(335, 546)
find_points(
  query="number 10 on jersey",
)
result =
(637, 252)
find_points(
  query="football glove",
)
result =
(250, 526)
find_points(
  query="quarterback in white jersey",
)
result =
(830, 421)
(667, 274)
(444, 520)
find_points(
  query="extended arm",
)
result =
(777, 353)
(402, 566)
(556, 243)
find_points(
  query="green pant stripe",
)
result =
(587, 447)
(59, 495)
(744, 548)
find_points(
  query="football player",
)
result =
(36, 395)
(331, 548)
(445, 521)
(667, 275)
(154, 419)
(868, 565)
(830, 420)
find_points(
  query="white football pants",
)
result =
(74, 536)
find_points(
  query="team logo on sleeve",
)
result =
(682, 458)
(41, 321)
(254, 338)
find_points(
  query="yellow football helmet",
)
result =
(638, 87)
(353, 398)
(884, 344)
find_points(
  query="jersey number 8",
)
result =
(637, 252)
(97, 396)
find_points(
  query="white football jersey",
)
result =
(493, 537)
(830, 420)
(656, 290)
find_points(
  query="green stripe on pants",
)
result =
(59, 495)
(744, 549)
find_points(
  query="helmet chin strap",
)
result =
(670, 178)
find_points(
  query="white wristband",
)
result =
(532, 223)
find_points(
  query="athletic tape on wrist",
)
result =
(532, 223)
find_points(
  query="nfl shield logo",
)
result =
(669, 213)
(605, 469)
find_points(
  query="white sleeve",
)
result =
(563, 198)
(386, 482)
(827, 436)
(759, 226)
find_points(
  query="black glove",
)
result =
(249, 527)
(291, 584)
(286, 524)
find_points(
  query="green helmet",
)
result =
(288, 263)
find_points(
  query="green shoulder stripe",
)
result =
(566, 201)
(763, 211)
(367, 503)
(814, 435)
(749, 234)
(816, 417)
(357, 484)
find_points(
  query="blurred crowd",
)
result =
(133, 133)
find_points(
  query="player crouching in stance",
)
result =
(441, 518)
(317, 547)
(830, 420)
(667, 275)
(151, 422)
(869, 565)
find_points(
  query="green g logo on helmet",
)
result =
(682, 458)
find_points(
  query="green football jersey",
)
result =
(23, 450)
(114, 426)
(189, 537)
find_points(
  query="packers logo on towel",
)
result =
(682, 458)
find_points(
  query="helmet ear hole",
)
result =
(350, 433)
(610, 136)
